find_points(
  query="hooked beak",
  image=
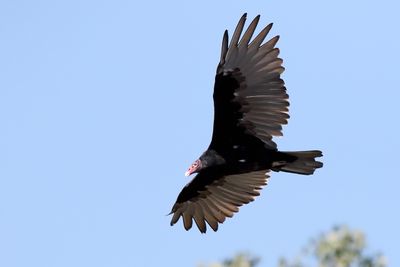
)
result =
(193, 168)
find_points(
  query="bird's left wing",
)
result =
(210, 198)
(249, 95)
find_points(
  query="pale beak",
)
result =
(193, 168)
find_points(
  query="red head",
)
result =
(195, 167)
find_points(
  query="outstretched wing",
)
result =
(249, 96)
(211, 197)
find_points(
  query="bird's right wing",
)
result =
(211, 198)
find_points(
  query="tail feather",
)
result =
(304, 162)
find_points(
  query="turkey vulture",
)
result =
(250, 106)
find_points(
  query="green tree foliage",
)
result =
(240, 260)
(339, 247)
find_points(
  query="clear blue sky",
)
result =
(104, 104)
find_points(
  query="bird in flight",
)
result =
(250, 107)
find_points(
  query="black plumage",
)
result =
(250, 107)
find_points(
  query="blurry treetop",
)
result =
(339, 247)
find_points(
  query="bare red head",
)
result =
(195, 167)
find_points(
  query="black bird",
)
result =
(250, 106)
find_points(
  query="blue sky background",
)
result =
(104, 104)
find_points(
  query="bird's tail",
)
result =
(303, 162)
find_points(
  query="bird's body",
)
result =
(250, 106)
